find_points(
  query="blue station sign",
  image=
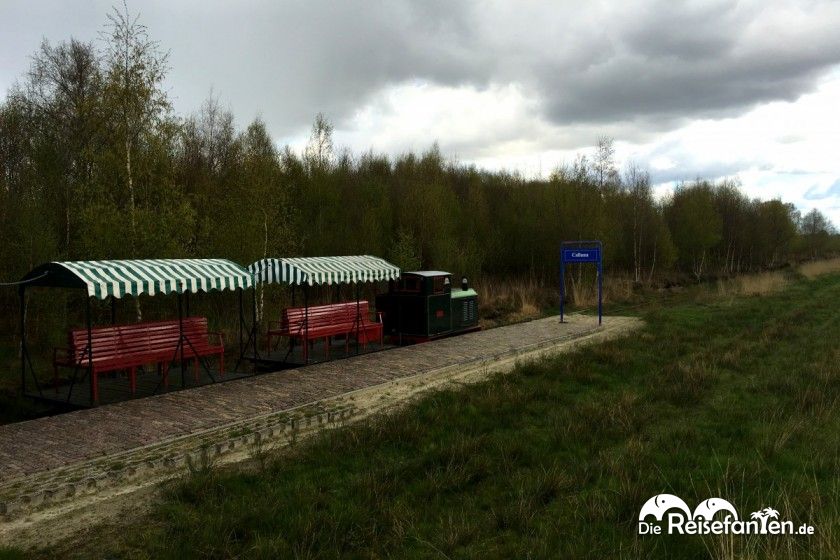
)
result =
(581, 252)
(592, 254)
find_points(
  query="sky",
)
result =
(748, 90)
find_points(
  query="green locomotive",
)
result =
(422, 305)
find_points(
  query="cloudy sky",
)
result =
(717, 88)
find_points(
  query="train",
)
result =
(422, 305)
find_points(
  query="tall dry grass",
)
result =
(765, 283)
(813, 269)
(618, 287)
(760, 284)
(510, 301)
(503, 301)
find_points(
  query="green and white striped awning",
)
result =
(134, 277)
(323, 270)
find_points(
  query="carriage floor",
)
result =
(114, 387)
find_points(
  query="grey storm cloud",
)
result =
(670, 62)
(654, 64)
(300, 58)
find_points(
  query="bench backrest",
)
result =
(156, 337)
(295, 318)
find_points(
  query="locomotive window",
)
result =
(441, 283)
(410, 284)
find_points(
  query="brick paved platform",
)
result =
(58, 457)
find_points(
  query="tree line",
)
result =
(95, 164)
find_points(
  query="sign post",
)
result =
(581, 252)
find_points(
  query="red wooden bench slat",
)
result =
(118, 347)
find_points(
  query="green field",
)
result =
(724, 396)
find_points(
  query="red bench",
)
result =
(127, 347)
(327, 321)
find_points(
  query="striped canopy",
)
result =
(135, 277)
(324, 270)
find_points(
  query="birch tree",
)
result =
(319, 151)
(603, 164)
(63, 91)
(637, 183)
(135, 70)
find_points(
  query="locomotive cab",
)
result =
(422, 305)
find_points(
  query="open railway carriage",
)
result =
(313, 330)
(94, 353)
(418, 306)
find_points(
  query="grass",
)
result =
(717, 396)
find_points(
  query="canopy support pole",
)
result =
(241, 320)
(178, 355)
(113, 310)
(24, 348)
(94, 385)
(181, 339)
(358, 318)
(22, 292)
(291, 350)
(400, 320)
(306, 324)
(255, 327)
